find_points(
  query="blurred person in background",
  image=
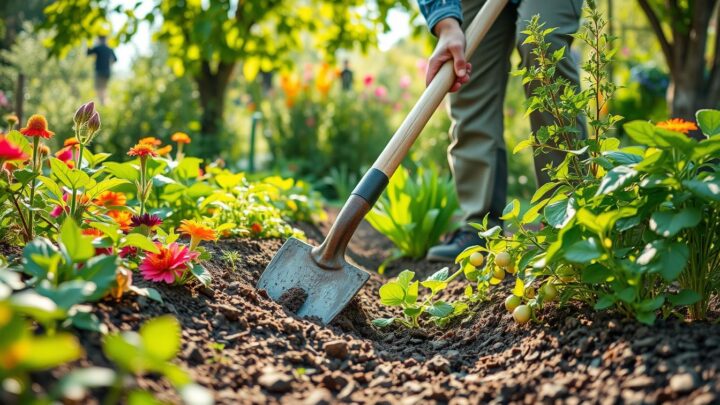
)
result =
(104, 58)
(346, 76)
(477, 155)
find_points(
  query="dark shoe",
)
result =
(458, 242)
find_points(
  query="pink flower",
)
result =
(168, 265)
(381, 92)
(405, 82)
(368, 80)
(422, 65)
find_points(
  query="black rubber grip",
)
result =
(371, 186)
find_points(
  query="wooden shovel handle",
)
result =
(330, 254)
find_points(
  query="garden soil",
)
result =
(246, 348)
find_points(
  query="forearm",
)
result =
(435, 11)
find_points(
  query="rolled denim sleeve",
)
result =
(436, 10)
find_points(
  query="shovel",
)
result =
(318, 279)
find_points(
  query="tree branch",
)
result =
(657, 27)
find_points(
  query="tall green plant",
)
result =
(415, 211)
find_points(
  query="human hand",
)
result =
(450, 46)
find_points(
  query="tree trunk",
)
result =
(212, 86)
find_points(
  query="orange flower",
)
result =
(142, 150)
(678, 125)
(180, 137)
(255, 227)
(164, 150)
(10, 151)
(122, 218)
(110, 199)
(71, 142)
(197, 232)
(150, 140)
(37, 126)
(92, 232)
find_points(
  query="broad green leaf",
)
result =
(100, 270)
(70, 178)
(604, 302)
(706, 150)
(623, 158)
(641, 132)
(583, 251)
(151, 293)
(392, 294)
(51, 351)
(542, 190)
(37, 254)
(411, 294)
(559, 213)
(74, 245)
(67, 294)
(627, 295)
(651, 304)
(161, 337)
(39, 307)
(127, 170)
(201, 274)
(51, 186)
(707, 188)
(80, 379)
(88, 321)
(668, 223)
(440, 309)
(405, 277)
(440, 275)
(595, 273)
(139, 241)
(615, 179)
(708, 121)
(103, 186)
(434, 285)
(648, 318)
(524, 144)
(20, 141)
(684, 297)
(511, 211)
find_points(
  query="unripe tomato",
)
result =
(521, 314)
(511, 268)
(477, 259)
(512, 302)
(529, 292)
(502, 259)
(549, 292)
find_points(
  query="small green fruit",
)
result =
(502, 259)
(549, 292)
(498, 273)
(512, 302)
(521, 314)
(477, 259)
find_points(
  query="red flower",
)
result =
(255, 227)
(142, 150)
(128, 251)
(151, 221)
(168, 265)
(9, 151)
(65, 154)
(37, 127)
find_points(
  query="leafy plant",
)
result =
(404, 293)
(415, 211)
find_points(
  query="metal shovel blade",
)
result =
(328, 291)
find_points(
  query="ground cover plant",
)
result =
(86, 224)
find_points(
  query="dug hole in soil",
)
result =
(272, 356)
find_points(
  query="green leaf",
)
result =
(684, 297)
(542, 190)
(651, 304)
(641, 132)
(70, 178)
(524, 144)
(519, 289)
(38, 307)
(668, 223)
(706, 150)
(139, 241)
(161, 337)
(405, 277)
(583, 251)
(707, 188)
(511, 211)
(392, 294)
(51, 351)
(36, 255)
(101, 271)
(708, 121)
(74, 245)
(137, 397)
(411, 294)
(79, 380)
(383, 322)
(20, 141)
(88, 321)
(434, 285)
(623, 158)
(201, 274)
(440, 309)
(490, 233)
(559, 213)
(67, 294)
(668, 259)
(604, 302)
(615, 179)
(595, 273)
(440, 275)
(627, 295)
(127, 170)
(151, 293)
(648, 318)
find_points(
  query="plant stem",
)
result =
(33, 184)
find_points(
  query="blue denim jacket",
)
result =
(436, 10)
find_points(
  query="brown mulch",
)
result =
(271, 356)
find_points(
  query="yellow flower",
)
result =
(164, 150)
(150, 140)
(678, 125)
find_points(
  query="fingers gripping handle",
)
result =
(433, 95)
(330, 254)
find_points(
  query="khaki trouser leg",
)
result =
(565, 16)
(477, 152)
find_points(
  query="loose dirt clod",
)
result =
(293, 299)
